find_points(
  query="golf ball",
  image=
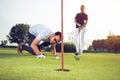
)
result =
(57, 57)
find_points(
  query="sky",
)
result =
(103, 16)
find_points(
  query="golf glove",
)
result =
(41, 56)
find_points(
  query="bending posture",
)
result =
(80, 21)
(39, 36)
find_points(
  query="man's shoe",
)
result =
(19, 49)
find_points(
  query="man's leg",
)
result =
(30, 50)
(44, 44)
(27, 47)
(76, 43)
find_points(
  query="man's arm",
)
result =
(34, 46)
(75, 21)
(53, 50)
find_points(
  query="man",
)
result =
(81, 22)
(37, 34)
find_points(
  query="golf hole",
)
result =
(64, 70)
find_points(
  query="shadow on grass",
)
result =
(8, 55)
(63, 70)
(11, 55)
(16, 55)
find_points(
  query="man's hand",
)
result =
(80, 28)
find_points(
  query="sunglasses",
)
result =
(55, 40)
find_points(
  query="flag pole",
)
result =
(62, 44)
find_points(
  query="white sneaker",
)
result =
(41, 56)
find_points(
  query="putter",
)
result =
(79, 44)
(76, 56)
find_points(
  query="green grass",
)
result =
(27, 67)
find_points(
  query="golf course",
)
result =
(91, 66)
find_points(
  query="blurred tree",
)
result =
(113, 43)
(3, 43)
(18, 33)
(99, 45)
(70, 37)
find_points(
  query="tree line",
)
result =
(111, 44)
